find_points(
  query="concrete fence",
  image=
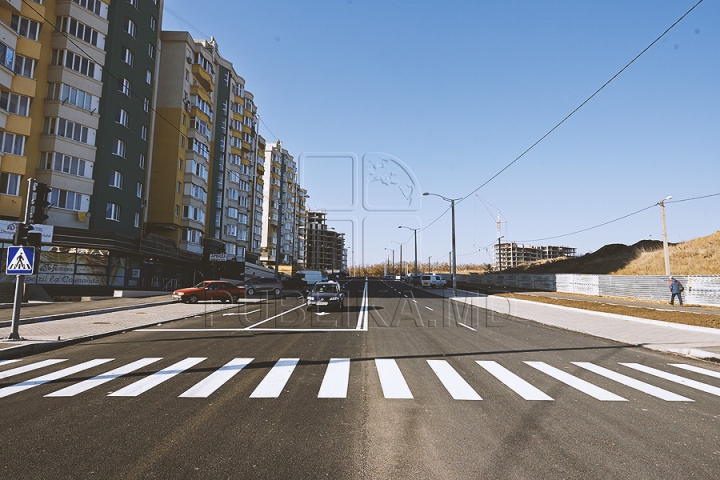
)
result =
(699, 289)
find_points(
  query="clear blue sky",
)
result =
(457, 91)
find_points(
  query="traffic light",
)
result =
(22, 233)
(39, 203)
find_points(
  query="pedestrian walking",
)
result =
(676, 289)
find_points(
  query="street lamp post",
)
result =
(393, 259)
(665, 242)
(454, 253)
(401, 261)
(415, 232)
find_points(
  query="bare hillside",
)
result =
(700, 256)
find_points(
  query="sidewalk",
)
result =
(48, 326)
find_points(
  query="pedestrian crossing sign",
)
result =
(20, 260)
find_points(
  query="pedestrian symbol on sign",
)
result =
(20, 260)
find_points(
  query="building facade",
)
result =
(325, 248)
(511, 254)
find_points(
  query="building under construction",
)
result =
(325, 248)
(510, 254)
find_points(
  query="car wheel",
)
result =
(277, 291)
(193, 299)
(250, 291)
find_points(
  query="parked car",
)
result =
(210, 290)
(326, 294)
(432, 281)
(263, 284)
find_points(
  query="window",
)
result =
(121, 116)
(232, 212)
(177, 210)
(24, 66)
(80, 30)
(112, 211)
(232, 193)
(198, 192)
(127, 56)
(67, 164)
(144, 132)
(151, 50)
(12, 143)
(141, 161)
(129, 27)
(67, 200)
(243, 218)
(233, 177)
(124, 86)
(7, 55)
(9, 184)
(118, 147)
(25, 27)
(136, 221)
(191, 236)
(116, 179)
(148, 76)
(72, 96)
(92, 5)
(74, 62)
(74, 131)
(194, 213)
(146, 104)
(139, 189)
(153, 23)
(231, 230)
(134, 3)
(14, 103)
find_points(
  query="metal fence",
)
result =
(699, 289)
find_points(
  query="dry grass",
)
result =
(700, 256)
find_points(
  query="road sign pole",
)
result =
(14, 335)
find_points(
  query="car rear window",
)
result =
(425, 277)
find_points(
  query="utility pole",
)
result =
(280, 211)
(664, 229)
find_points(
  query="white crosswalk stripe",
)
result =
(458, 388)
(5, 362)
(274, 382)
(142, 386)
(391, 379)
(577, 383)
(86, 385)
(335, 381)
(703, 387)
(29, 368)
(19, 387)
(693, 368)
(632, 383)
(217, 379)
(515, 383)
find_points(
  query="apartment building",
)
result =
(510, 254)
(325, 248)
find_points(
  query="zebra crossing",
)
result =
(336, 378)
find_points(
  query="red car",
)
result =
(210, 290)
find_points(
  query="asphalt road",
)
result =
(401, 384)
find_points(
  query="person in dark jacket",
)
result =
(675, 289)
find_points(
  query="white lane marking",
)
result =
(362, 323)
(469, 328)
(703, 387)
(512, 381)
(456, 386)
(335, 382)
(103, 378)
(577, 383)
(217, 379)
(274, 317)
(19, 387)
(5, 362)
(430, 309)
(241, 313)
(274, 382)
(29, 368)
(633, 383)
(391, 379)
(142, 386)
(695, 369)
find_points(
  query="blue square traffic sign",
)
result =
(20, 260)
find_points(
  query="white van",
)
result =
(433, 281)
